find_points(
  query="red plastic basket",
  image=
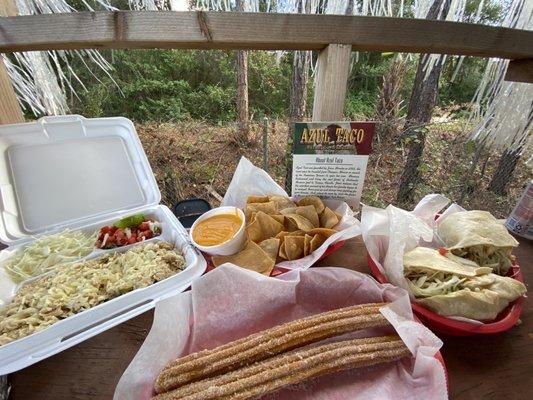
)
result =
(503, 322)
(277, 270)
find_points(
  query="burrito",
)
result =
(452, 286)
(478, 236)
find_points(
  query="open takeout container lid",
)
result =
(67, 171)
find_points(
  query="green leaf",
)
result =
(130, 222)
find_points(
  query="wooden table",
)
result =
(489, 367)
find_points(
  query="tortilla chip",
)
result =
(251, 219)
(316, 242)
(282, 234)
(309, 212)
(268, 208)
(307, 244)
(269, 225)
(326, 232)
(313, 201)
(252, 257)
(282, 202)
(289, 225)
(281, 252)
(300, 222)
(297, 233)
(328, 218)
(263, 227)
(257, 199)
(254, 231)
(278, 217)
(294, 247)
(271, 247)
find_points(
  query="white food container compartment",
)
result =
(81, 174)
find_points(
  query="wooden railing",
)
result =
(265, 31)
(258, 31)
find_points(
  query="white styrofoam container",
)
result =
(81, 174)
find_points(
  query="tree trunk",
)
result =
(421, 104)
(242, 89)
(390, 101)
(350, 7)
(504, 171)
(300, 79)
(298, 95)
(162, 5)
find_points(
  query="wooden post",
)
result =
(10, 111)
(330, 82)
(520, 71)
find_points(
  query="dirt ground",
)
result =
(193, 159)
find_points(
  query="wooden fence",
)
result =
(334, 36)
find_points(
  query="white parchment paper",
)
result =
(389, 233)
(231, 302)
(250, 180)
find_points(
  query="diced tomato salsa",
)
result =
(111, 236)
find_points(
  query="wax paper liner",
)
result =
(231, 302)
(250, 180)
(389, 233)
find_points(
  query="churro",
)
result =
(292, 367)
(268, 343)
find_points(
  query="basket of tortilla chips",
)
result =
(282, 229)
(283, 232)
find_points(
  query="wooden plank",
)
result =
(262, 31)
(10, 111)
(520, 71)
(8, 8)
(330, 82)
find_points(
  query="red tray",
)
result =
(503, 322)
(277, 270)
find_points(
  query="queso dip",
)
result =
(216, 229)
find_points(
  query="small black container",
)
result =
(188, 211)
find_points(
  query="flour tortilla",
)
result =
(481, 305)
(480, 237)
(430, 261)
(470, 228)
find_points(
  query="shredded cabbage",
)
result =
(498, 258)
(439, 283)
(46, 253)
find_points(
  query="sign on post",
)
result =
(330, 158)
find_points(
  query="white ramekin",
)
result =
(229, 247)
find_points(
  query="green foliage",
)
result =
(364, 83)
(463, 87)
(269, 84)
(171, 85)
(359, 105)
